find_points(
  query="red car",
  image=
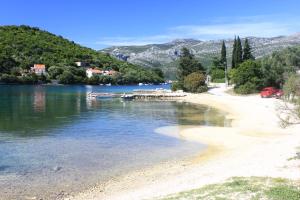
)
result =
(271, 92)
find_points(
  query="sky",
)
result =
(103, 23)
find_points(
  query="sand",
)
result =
(255, 145)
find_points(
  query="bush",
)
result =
(29, 79)
(55, 71)
(247, 88)
(66, 78)
(176, 86)
(94, 80)
(247, 77)
(217, 75)
(291, 87)
(195, 82)
(7, 78)
(221, 80)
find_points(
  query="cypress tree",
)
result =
(233, 61)
(247, 55)
(239, 52)
(223, 55)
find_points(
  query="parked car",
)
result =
(269, 92)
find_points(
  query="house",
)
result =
(298, 71)
(78, 64)
(38, 69)
(91, 72)
(81, 64)
(109, 72)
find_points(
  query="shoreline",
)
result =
(253, 146)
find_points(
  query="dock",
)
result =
(141, 94)
(103, 95)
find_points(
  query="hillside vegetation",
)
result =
(165, 56)
(23, 46)
(273, 70)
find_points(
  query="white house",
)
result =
(91, 72)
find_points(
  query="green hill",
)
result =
(23, 46)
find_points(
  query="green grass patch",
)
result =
(254, 188)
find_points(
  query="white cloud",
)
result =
(258, 26)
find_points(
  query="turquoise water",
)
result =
(54, 139)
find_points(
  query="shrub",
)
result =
(247, 77)
(94, 80)
(66, 78)
(217, 75)
(195, 82)
(247, 88)
(7, 78)
(291, 87)
(176, 86)
(55, 71)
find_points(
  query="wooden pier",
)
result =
(140, 94)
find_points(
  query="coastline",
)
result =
(255, 145)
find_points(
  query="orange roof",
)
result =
(39, 66)
(95, 71)
(111, 72)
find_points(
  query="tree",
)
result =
(217, 75)
(187, 65)
(233, 59)
(159, 72)
(291, 87)
(277, 67)
(223, 55)
(55, 71)
(289, 109)
(66, 78)
(239, 52)
(6, 63)
(247, 77)
(216, 63)
(195, 82)
(247, 54)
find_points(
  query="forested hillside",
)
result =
(23, 46)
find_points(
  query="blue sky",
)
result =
(102, 23)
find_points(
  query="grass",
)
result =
(254, 188)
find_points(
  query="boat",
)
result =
(127, 96)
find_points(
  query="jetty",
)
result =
(102, 95)
(141, 94)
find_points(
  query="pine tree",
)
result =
(233, 61)
(223, 55)
(187, 64)
(239, 52)
(247, 55)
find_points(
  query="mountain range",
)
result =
(165, 55)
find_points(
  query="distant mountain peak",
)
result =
(187, 40)
(166, 55)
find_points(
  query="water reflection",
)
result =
(45, 127)
(33, 111)
(39, 102)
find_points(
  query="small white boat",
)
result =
(127, 96)
(140, 84)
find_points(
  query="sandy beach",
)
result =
(254, 145)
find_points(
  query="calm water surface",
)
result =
(54, 140)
